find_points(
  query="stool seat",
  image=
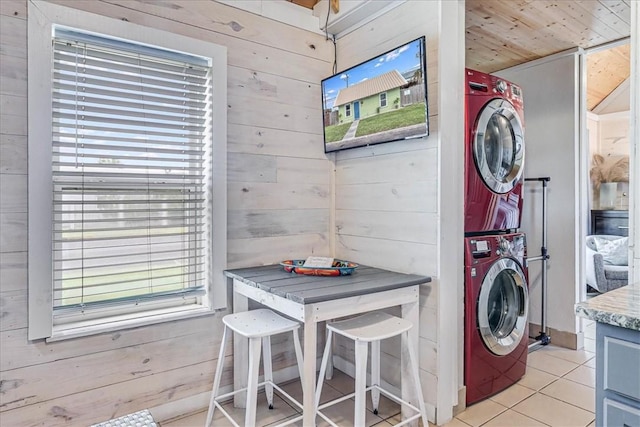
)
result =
(369, 327)
(259, 323)
(257, 326)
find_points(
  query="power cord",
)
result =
(333, 39)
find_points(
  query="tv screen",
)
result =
(380, 100)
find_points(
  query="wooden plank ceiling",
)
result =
(504, 33)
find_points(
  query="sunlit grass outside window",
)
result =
(131, 172)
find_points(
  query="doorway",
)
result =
(606, 138)
(608, 111)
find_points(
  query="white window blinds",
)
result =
(131, 167)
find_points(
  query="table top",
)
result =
(312, 289)
(619, 307)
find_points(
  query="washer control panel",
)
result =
(496, 246)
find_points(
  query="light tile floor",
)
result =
(558, 390)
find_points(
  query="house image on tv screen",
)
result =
(386, 100)
(370, 97)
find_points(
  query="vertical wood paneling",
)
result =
(263, 140)
(417, 227)
(276, 115)
(272, 250)
(14, 8)
(278, 209)
(13, 271)
(13, 154)
(88, 406)
(13, 310)
(13, 188)
(13, 33)
(248, 26)
(251, 168)
(13, 124)
(386, 196)
(16, 108)
(265, 86)
(292, 169)
(14, 232)
(250, 224)
(101, 369)
(13, 75)
(245, 53)
(405, 257)
(243, 195)
(397, 167)
(419, 196)
(15, 354)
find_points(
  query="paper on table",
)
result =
(318, 261)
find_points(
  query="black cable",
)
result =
(335, 56)
(326, 21)
(333, 39)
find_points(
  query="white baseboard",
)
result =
(200, 402)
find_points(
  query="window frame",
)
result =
(385, 99)
(42, 17)
(347, 110)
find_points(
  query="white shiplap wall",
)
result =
(279, 207)
(392, 208)
(390, 199)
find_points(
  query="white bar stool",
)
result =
(371, 328)
(257, 326)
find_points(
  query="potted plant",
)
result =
(605, 177)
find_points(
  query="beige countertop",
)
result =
(620, 307)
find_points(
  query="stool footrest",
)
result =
(381, 390)
(261, 385)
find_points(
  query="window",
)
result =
(132, 152)
(383, 99)
(347, 110)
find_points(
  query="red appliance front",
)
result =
(494, 154)
(496, 326)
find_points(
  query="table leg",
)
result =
(240, 354)
(329, 373)
(309, 379)
(410, 312)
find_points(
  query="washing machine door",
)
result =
(502, 306)
(498, 147)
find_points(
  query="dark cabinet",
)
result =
(610, 222)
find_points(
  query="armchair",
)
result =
(602, 275)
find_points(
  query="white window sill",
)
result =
(85, 328)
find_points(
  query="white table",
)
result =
(313, 299)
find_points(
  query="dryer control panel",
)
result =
(484, 84)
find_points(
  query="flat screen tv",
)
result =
(380, 100)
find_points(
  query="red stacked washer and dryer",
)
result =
(496, 290)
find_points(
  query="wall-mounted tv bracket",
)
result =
(542, 338)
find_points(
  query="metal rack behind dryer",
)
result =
(542, 338)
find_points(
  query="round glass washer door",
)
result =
(498, 147)
(502, 306)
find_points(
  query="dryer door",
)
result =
(498, 146)
(502, 306)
